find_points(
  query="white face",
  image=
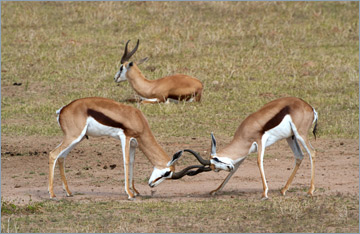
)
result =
(222, 163)
(120, 75)
(159, 175)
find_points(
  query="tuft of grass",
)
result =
(9, 208)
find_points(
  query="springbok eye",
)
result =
(166, 174)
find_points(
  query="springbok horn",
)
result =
(198, 157)
(184, 172)
(126, 56)
(213, 145)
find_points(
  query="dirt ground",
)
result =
(93, 176)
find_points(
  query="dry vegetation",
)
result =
(245, 53)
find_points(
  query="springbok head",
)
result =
(216, 162)
(125, 64)
(159, 175)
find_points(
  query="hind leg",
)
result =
(61, 162)
(60, 152)
(312, 153)
(198, 95)
(294, 145)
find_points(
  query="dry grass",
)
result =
(245, 53)
(236, 214)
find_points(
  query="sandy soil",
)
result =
(24, 171)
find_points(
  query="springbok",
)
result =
(95, 116)
(170, 88)
(287, 118)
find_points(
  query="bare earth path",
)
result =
(24, 171)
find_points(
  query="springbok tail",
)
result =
(58, 114)
(315, 121)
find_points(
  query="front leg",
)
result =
(133, 145)
(260, 162)
(125, 144)
(226, 179)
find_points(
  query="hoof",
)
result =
(69, 195)
(264, 198)
(283, 191)
(131, 198)
(213, 193)
(136, 193)
(311, 192)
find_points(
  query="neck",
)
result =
(237, 148)
(139, 83)
(152, 150)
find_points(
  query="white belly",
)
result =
(94, 128)
(283, 130)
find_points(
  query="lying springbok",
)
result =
(287, 118)
(175, 87)
(95, 116)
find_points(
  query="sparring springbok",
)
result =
(95, 116)
(170, 88)
(287, 118)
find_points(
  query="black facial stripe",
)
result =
(217, 160)
(166, 174)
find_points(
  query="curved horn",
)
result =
(184, 172)
(123, 58)
(134, 50)
(213, 145)
(198, 157)
(126, 56)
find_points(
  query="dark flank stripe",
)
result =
(276, 120)
(182, 97)
(105, 120)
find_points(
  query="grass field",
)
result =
(245, 53)
(322, 214)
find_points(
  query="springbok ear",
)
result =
(141, 61)
(175, 157)
(213, 145)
